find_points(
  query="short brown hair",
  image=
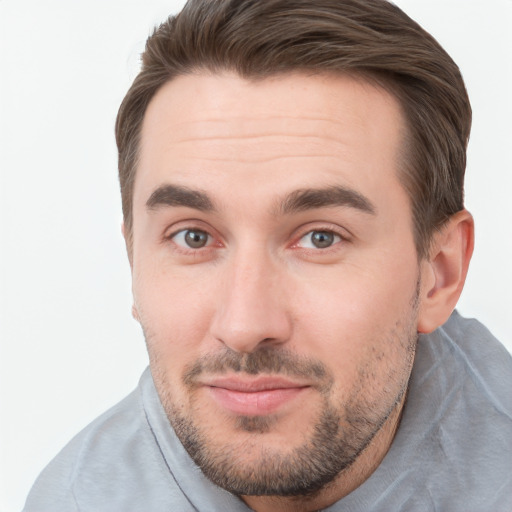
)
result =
(369, 38)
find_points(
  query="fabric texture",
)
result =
(452, 451)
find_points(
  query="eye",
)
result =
(192, 238)
(319, 240)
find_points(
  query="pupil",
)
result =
(196, 239)
(322, 239)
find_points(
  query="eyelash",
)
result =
(336, 239)
(212, 244)
(187, 250)
(336, 232)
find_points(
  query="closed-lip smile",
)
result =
(253, 396)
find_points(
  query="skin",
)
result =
(349, 307)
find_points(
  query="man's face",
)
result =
(275, 273)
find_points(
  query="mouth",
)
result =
(255, 396)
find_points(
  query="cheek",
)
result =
(359, 318)
(175, 313)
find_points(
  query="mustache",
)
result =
(265, 360)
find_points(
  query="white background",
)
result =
(69, 348)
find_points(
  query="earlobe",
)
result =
(135, 313)
(127, 241)
(444, 273)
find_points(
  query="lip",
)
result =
(254, 397)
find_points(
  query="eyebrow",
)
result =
(312, 198)
(175, 195)
(296, 201)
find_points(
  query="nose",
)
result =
(253, 308)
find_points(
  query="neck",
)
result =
(347, 481)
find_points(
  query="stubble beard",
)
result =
(338, 437)
(302, 472)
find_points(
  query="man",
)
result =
(292, 183)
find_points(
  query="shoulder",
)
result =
(479, 358)
(112, 464)
(453, 448)
(460, 417)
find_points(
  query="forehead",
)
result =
(275, 134)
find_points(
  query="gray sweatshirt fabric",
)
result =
(452, 451)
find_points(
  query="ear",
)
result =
(128, 243)
(445, 270)
(135, 313)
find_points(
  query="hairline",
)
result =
(374, 78)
